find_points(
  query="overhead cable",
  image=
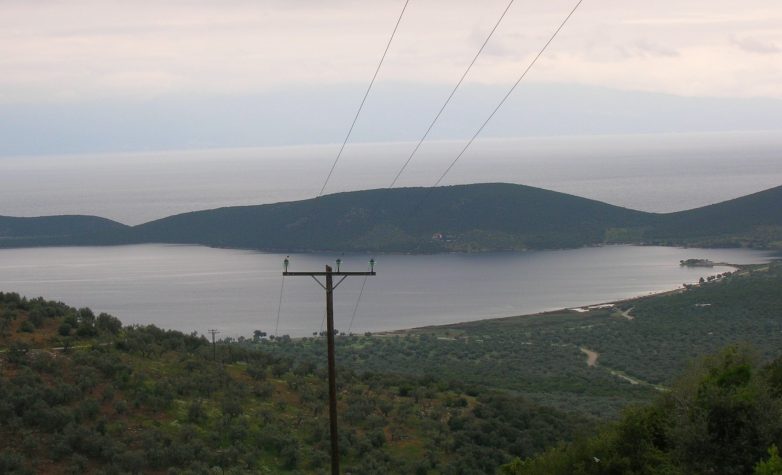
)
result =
(510, 91)
(355, 307)
(361, 106)
(450, 96)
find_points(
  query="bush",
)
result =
(195, 412)
(106, 323)
(290, 455)
(26, 327)
(17, 352)
(772, 466)
(121, 406)
(11, 463)
(65, 329)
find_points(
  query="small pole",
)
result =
(332, 372)
(214, 351)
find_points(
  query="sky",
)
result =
(137, 71)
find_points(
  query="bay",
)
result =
(194, 288)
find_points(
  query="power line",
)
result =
(347, 136)
(355, 307)
(431, 126)
(428, 192)
(480, 129)
(450, 96)
(523, 75)
(366, 94)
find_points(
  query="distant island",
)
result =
(696, 263)
(463, 218)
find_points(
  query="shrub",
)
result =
(65, 329)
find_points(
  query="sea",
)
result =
(658, 173)
(193, 288)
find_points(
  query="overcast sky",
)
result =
(67, 53)
(75, 49)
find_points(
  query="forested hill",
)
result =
(467, 217)
(754, 219)
(477, 217)
(57, 230)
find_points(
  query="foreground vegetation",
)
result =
(79, 393)
(723, 417)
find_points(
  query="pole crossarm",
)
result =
(327, 273)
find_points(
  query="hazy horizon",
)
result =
(318, 116)
(656, 173)
(91, 76)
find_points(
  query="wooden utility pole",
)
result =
(329, 287)
(214, 352)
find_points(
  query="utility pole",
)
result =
(214, 352)
(329, 287)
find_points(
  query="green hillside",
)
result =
(752, 220)
(722, 417)
(469, 217)
(478, 217)
(57, 230)
(80, 393)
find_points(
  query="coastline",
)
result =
(616, 305)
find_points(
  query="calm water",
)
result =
(196, 288)
(193, 288)
(648, 172)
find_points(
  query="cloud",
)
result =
(754, 45)
(650, 48)
(91, 49)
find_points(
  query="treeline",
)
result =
(723, 416)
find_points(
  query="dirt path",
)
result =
(626, 313)
(592, 356)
